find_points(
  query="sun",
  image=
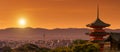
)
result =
(22, 22)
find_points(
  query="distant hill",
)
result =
(39, 33)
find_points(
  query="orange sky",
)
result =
(58, 13)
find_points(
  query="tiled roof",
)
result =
(98, 23)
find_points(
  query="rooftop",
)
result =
(98, 23)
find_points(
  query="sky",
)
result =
(58, 13)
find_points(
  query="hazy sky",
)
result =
(58, 13)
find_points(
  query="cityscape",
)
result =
(59, 26)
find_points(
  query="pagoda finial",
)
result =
(98, 22)
(97, 9)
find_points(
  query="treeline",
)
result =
(77, 46)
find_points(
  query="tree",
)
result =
(85, 48)
(62, 49)
(44, 49)
(91, 48)
(6, 49)
(79, 41)
(78, 48)
(28, 48)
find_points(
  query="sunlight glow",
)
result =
(22, 22)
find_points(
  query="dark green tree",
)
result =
(91, 48)
(62, 49)
(28, 48)
(44, 49)
(78, 48)
(6, 49)
(79, 41)
(85, 48)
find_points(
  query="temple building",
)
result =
(98, 31)
(114, 39)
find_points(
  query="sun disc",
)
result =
(22, 22)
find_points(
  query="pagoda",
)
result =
(98, 31)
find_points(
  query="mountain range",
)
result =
(46, 34)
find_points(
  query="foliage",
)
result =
(31, 48)
(85, 48)
(6, 49)
(79, 41)
(43, 49)
(62, 49)
(28, 48)
(77, 46)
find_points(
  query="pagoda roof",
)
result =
(98, 23)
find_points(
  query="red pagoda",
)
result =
(98, 31)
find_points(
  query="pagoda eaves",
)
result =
(98, 23)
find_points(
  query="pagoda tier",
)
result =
(98, 33)
(98, 24)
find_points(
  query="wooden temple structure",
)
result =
(98, 31)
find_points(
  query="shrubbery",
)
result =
(77, 46)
